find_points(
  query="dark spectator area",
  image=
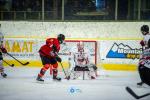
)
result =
(75, 10)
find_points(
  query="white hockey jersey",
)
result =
(79, 58)
(146, 38)
(145, 58)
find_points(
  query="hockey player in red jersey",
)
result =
(49, 57)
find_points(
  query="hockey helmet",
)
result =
(80, 46)
(145, 28)
(61, 38)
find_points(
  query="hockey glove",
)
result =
(147, 58)
(58, 59)
(52, 54)
(4, 50)
(142, 43)
(54, 48)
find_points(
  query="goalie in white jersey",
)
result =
(80, 61)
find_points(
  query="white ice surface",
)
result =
(110, 85)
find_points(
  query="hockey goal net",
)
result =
(69, 44)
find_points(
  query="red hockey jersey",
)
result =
(46, 49)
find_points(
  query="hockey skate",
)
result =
(67, 77)
(140, 83)
(4, 75)
(92, 77)
(56, 78)
(39, 79)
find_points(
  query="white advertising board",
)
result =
(120, 51)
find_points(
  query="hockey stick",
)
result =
(68, 77)
(18, 60)
(11, 65)
(129, 90)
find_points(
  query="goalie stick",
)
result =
(18, 60)
(11, 65)
(130, 91)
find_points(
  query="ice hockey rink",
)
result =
(110, 85)
(108, 34)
